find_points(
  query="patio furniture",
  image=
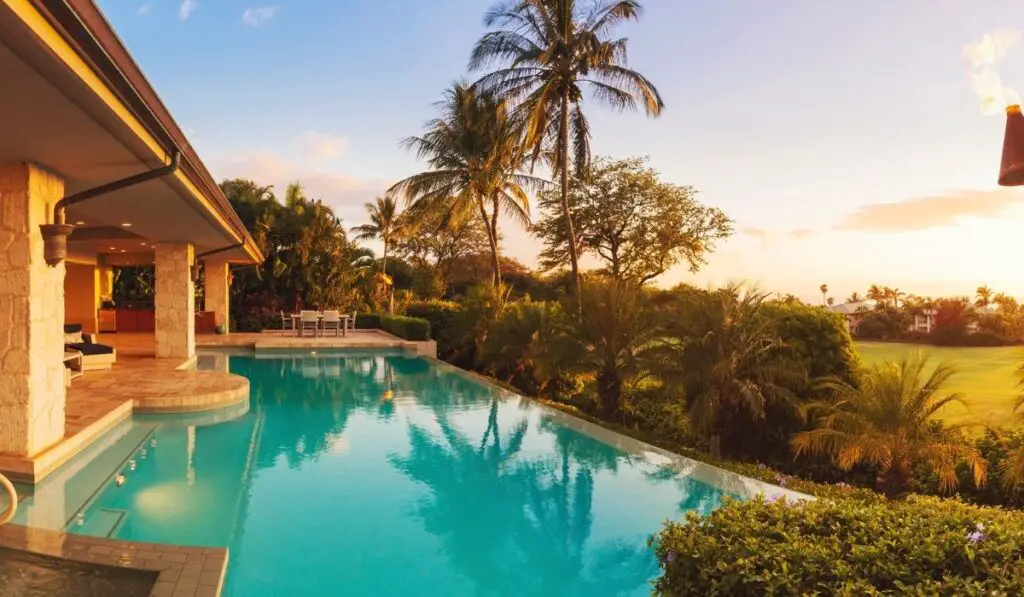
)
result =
(331, 320)
(72, 366)
(94, 356)
(309, 320)
(350, 323)
(287, 321)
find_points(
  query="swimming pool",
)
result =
(373, 473)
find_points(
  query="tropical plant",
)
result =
(984, 296)
(616, 327)
(482, 307)
(854, 297)
(549, 51)
(889, 419)
(824, 292)
(474, 150)
(532, 346)
(636, 225)
(723, 352)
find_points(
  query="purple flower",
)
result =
(975, 536)
(775, 499)
(670, 556)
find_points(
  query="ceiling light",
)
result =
(79, 223)
(113, 248)
(126, 224)
(122, 250)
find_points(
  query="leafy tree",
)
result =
(890, 419)
(724, 353)
(636, 225)
(477, 165)
(1008, 305)
(952, 316)
(616, 327)
(435, 247)
(388, 225)
(549, 52)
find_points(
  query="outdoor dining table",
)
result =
(297, 319)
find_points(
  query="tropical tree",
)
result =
(548, 52)
(387, 225)
(474, 150)
(889, 419)
(854, 297)
(876, 293)
(824, 292)
(984, 296)
(1008, 305)
(435, 247)
(532, 345)
(723, 352)
(636, 225)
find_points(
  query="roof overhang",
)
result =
(75, 103)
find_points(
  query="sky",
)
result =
(843, 137)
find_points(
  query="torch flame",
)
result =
(981, 58)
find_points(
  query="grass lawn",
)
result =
(985, 376)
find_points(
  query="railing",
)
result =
(6, 516)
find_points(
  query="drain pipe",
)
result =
(195, 265)
(55, 236)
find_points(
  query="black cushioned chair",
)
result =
(94, 356)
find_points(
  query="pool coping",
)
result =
(182, 571)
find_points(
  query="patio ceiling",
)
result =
(61, 112)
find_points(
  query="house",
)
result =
(853, 313)
(94, 172)
(924, 321)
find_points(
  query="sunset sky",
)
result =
(842, 137)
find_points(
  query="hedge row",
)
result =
(920, 546)
(407, 328)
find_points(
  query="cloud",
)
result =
(801, 232)
(346, 194)
(760, 233)
(318, 147)
(764, 234)
(922, 213)
(186, 8)
(144, 9)
(254, 17)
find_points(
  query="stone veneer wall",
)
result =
(175, 301)
(217, 286)
(32, 389)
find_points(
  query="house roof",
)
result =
(851, 308)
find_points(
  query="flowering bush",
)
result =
(920, 546)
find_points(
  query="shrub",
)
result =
(407, 328)
(985, 339)
(871, 329)
(440, 315)
(921, 546)
(368, 321)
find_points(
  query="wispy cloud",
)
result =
(256, 16)
(317, 147)
(186, 8)
(801, 232)
(922, 213)
(144, 9)
(759, 233)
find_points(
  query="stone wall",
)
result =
(32, 389)
(175, 301)
(216, 290)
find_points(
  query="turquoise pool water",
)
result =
(383, 474)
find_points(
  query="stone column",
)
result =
(32, 389)
(106, 273)
(175, 301)
(217, 288)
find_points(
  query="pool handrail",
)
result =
(8, 515)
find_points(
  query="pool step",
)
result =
(104, 522)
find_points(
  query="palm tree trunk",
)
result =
(384, 281)
(570, 233)
(609, 388)
(495, 258)
(495, 266)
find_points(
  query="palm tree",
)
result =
(386, 224)
(477, 165)
(723, 352)
(984, 297)
(854, 297)
(1007, 304)
(888, 420)
(875, 293)
(824, 293)
(548, 52)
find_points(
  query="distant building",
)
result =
(853, 313)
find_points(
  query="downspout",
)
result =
(55, 235)
(195, 265)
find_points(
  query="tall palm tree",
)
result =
(824, 293)
(984, 296)
(474, 150)
(887, 420)
(386, 224)
(854, 297)
(876, 293)
(548, 52)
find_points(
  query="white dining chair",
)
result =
(331, 321)
(309, 320)
(350, 324)
(287, 322)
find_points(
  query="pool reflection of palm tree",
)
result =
(517, 526)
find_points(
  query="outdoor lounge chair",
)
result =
(350, 324)
(94, 356)
(331, 321)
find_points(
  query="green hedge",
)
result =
(920, 546)
(440, 315)
(408, 328)
(368, 321)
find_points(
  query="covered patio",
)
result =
(94, 174)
